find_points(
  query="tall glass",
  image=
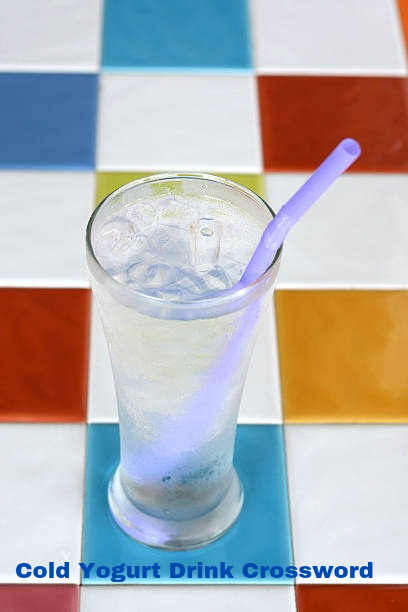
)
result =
(179, 369)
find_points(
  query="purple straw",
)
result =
(333, 166)
(192, 426)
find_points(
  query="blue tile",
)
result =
(261, 535)
(181, 34)
(47, 121)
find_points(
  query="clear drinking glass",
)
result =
(179, 369)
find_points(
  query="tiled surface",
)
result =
(304, 117)
(44, 339)
(146, 35)
(36, 206)
(51, 36)
(101, 391)
(329, 380)
(359, 225)
(355, 598)
(15, 598)
(349, 499)
(261, 532)
(41, 513)
(98, 93)
(143, 123)
(184, 599)
(47, 121)
(348, 37)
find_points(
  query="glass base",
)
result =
(174, 535)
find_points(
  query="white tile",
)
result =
(179, 122)
(261, 396)
(261, 400)
(184, 599)
(44, 35)
(102, 406)
(42, 237)
(349, 498)
(41, 479)
(327, 37)
(353, 237)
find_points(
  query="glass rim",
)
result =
(220, 299)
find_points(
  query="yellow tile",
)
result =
(109, 181)
(343, 355)
(252, 181)
(106, 182)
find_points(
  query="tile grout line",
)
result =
(254, 79)
(284, 425)
(82, 539)
(287, 286)
(292, 543)
(98, 119)
(85, 455)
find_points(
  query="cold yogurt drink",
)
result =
(165, 254)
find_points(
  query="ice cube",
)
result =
(205, 237)
(142, 215)
(233, 269)
(191, 284)
(171, 294)
(217, 279)
(115, 236)
(173, 212)
(151, 275)
(118, 244)
(170, 244)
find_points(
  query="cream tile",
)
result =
(327, 37)
(102, 406)
(184, 599)
(179, 122)
(348, 497)
(41, 479)
(354, 237)
(47, 36)
(261, 401)
(43, 236)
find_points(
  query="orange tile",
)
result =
(403, 10)
(304, 117)
(343, 355)
(352, 598)
(44, 354)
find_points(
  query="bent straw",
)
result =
(166, 455)
(346, 152)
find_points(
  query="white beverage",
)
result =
(180, 348)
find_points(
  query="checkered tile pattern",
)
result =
(94, 94)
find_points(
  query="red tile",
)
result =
(41, 598)
(44, 338)
(352, 598)
(303, 118)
